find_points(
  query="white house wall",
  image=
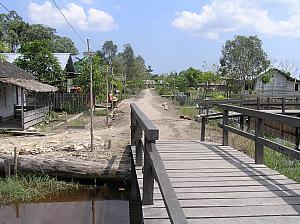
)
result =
(6, 100)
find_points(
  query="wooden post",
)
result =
(15, 161)
(297, 137)
(259, 146)
(22, 108)
(132, 128)
(207, 108)
(248, 123)
(283, 104)
(242, 119)
(202, 134)
(148, 176)
(225, 130)
(7, 168)
(138, 145)
(269, 102)
(258, 103)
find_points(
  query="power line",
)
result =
(4, 7)
(74, 30)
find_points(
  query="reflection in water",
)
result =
(83, 207)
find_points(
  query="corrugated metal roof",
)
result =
(62, 58)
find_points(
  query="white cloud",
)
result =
(232, 15)
(87, 1)
(93, 20)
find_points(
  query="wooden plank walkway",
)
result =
(219, 185)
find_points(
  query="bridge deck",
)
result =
(217, 184)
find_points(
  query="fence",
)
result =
(33, 117)
(70, 102)
(258, 137)
(153, 165)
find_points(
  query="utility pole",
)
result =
(107, 96)
(90, 54)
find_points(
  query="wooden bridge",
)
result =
(200, 182)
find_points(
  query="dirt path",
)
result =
(168, 122)
(74, 144)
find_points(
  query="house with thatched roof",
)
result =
(64, 60)
(17, 110)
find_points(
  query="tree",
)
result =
(14, 32)
(128, 58)
(109, 51)
(83, 80)
(63, 45)
(37, 59)
(12, 28)
(243, 59)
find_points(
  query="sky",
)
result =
(172, 35)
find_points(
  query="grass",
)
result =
(100, 112)
(274, 160)
(30, 187)
(81, 121)
(188, 111)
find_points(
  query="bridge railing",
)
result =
(260, 102)
(258, 136)
(153, 165)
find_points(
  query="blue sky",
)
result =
(173, 35)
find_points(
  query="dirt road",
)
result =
(74, 144)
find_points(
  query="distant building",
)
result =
(65, 61)
(280, 83)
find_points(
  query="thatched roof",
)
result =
(13, 75)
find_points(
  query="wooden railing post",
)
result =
(297, 138)
(225, 130)
(136, 135)
(283, 104)
(202, 133)
(258, 103)
(138, 145)
(242, 119)
(269, 102)
(259, 146)
(148, 175)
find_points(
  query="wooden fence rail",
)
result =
(259, 103)
(153, 165)
(33, 117)
(258, 137)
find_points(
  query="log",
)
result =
(76, 168)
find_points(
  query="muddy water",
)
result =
(85, 206)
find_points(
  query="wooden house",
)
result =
(17, 110)
(65, 61)
(279, 83)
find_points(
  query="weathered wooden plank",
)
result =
(235, 220)
(236, 202)
(213, 212)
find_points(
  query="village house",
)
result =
(17, 109)
(65, 61)
(279, 83)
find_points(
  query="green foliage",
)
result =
(242, 59)
(99, 78)
(100, 112)
(37, 59)
(109, 50)
(14, 32)
(26, 188)
(188, 112)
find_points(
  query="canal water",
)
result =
(101, 205)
